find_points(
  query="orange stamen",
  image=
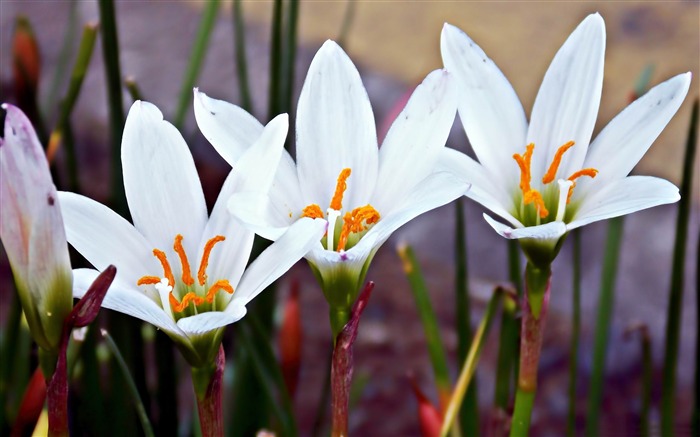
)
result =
(167, 271)
(341, 185)
(201, 274)
(186, 274)
(185, 302)
(590, 172)
(556, 161)
(357, 221)
(148, 280)
(524, 161)
(534, 196)
(312, 211)
(221, 284)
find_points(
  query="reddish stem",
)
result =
(211, 419)
(342, 366)
(57, 389)
(531, 343)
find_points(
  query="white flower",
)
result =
(364, 193)
(31, 230)
(177, 269)
(545, 179)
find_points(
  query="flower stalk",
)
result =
(342, 366)
(208, 382)
(535, 303)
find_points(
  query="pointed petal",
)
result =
(127, 300)
(161, 182)
(335, 130)
(567, 103)
(484, 189)
(260, 214)
(415, 139)
(625, 196)
(489, 108)
(304, 234)
(434, 191)
(229, 128)
(205, 322)
(550, 231)
(103, 237)
(624, 141)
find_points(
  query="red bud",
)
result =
(429, 416)
(31, 406)
(289, 340)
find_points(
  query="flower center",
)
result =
(166, 284)
(566, 187)
(354, 222)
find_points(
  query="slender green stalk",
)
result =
(575, 333)
(166, 396)
(110, 55)
(436, 350)
(647, 376)
(274, 102)
(469, 413)
(289, 56)
(130, 386)
(133, 88)
(602, 326)
(323, 403)
(348, 18)
(470, 362)
(241, 57)
(61, 68)
(61, 133)
(199, 51)
(534, 309)
(9, 357)
(675, 304)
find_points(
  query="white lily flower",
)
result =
(32, 232)
(364, 193)
(177, 269)
(544, 178)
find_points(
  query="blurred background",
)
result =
(395, 44)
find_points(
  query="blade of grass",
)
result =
(436, 350)
(199, 51)
(471, 362)
(348, 18)
(288, 63)
(166, 396)
(241, 57)
(602, 325)
(647, 376)
(8, 359)
(469, 413)
(675, 304)
(61, 66)
(575, 333)
(274, 101)
(131, 385)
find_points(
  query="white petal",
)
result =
(31, 226)
(625, 196)
(489, 108)
(485, 189)
(415, 139)
(229, 128)
(279, 257)
(257, 212)
(335, 130)
(161, 182)
(127, 300)
(229, 257)
(205, 322)
(549, 231)
(103, 237)
(434, 191)
(624, 141)
(567, 103)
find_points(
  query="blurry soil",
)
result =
(392, 57)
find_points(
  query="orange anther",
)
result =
(534, 196)
(185, 302)
(148, 280)
(556, 161)
(221, 284)
(186, 274)
(312, 211)
(201, 274)
(341, 185)
(524, 162)
(357, 221)
(167, 271)
(590, 172)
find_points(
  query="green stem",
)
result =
(602, 327)
(534, 308)
(339, 318)
(241, 56)
(575, 333)
(208, 381)
(675, 304)
(199, 50)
